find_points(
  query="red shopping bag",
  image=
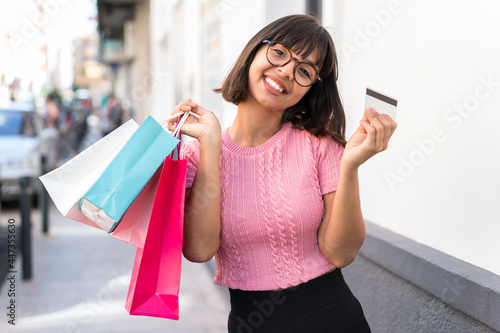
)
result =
(154, 286)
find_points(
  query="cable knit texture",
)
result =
(271, 208)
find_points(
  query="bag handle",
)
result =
(177, 131)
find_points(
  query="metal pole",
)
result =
(314, 7)
(44, 199)
(25, 207)
(0, 190)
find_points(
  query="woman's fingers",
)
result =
(389, 128)
(185, 106)
(199, 123)
(189, 107)
(371, 137)
(376, 134)
(383, 127)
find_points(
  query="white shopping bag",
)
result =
(68, 184)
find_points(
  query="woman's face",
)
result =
(275, 88)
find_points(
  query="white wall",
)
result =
(438, 182)
(174, 53)
(162, 92)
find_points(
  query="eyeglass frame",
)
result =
(297, 61)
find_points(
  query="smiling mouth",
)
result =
(274, 85)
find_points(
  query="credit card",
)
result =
(381, 102)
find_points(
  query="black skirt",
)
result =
(325, 304)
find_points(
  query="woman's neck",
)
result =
(254, 125)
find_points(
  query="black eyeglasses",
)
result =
(279, 55)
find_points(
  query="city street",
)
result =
(80, 283)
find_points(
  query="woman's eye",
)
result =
(304, 72)
(279, 53)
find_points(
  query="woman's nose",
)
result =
(288, 70)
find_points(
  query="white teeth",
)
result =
(274, 84)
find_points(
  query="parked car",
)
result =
(20, 156)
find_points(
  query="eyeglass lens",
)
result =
(279, 55)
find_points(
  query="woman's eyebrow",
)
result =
(305, 60)
(310, 62)
(299, 53)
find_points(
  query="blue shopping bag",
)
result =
(114, 191)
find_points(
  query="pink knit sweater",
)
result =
(271, 208)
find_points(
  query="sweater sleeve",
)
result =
(329, 154)
(191, 152)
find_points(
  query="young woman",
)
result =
(275, 197)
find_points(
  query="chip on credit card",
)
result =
(381, 102)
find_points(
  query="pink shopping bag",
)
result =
(155, 281)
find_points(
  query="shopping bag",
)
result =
(67, 184)
(113, 192)
(155, 281)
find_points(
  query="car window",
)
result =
(17, 123)
(10, 122)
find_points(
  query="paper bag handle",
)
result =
(177, 131)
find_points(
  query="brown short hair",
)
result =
(320, 111)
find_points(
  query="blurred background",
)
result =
(71, 71)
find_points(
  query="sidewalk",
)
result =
(80, 283)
